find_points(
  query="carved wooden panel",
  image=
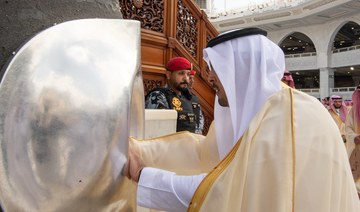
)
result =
(186, 29)
(153, 55)
(173, 28)
(208, 38)
(150, 84)
(207, 123)
(149, 12)
(205, 71)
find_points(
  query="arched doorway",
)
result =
(295, 46)
(297, 43)
(347, 36)
(347, 39)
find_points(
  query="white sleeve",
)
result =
(164, 190)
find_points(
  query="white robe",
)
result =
(283, 152)
(290, 158)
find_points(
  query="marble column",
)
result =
(326, 81)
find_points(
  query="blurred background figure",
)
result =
(338, 112)
(352, 129)
(191, 80)
(196, 104)
(287, 79)
(348, 104)
(326, 102)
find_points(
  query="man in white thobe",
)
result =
(278, 150)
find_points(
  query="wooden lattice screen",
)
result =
(173, 28)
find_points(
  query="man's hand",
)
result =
(133, 167)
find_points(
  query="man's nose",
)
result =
(187, 78)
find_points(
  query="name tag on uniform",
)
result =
(182, 117)
(191, 117)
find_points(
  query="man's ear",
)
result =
(168, 74)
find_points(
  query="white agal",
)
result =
(159, 122)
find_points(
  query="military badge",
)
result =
(176, 103)
(182, 117)
(191, 118)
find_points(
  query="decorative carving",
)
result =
(186, 29)
(138, 3)
(151, 84)
(149, 12)
(204, 75)
(208, 38)
(171, 43)
(207, 123)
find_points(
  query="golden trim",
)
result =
(205, 185)
(293, 149)
(337, 117)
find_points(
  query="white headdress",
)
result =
(250, 68)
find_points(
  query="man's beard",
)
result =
(182, 89)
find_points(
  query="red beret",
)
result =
(192, 72)
(178, 64)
